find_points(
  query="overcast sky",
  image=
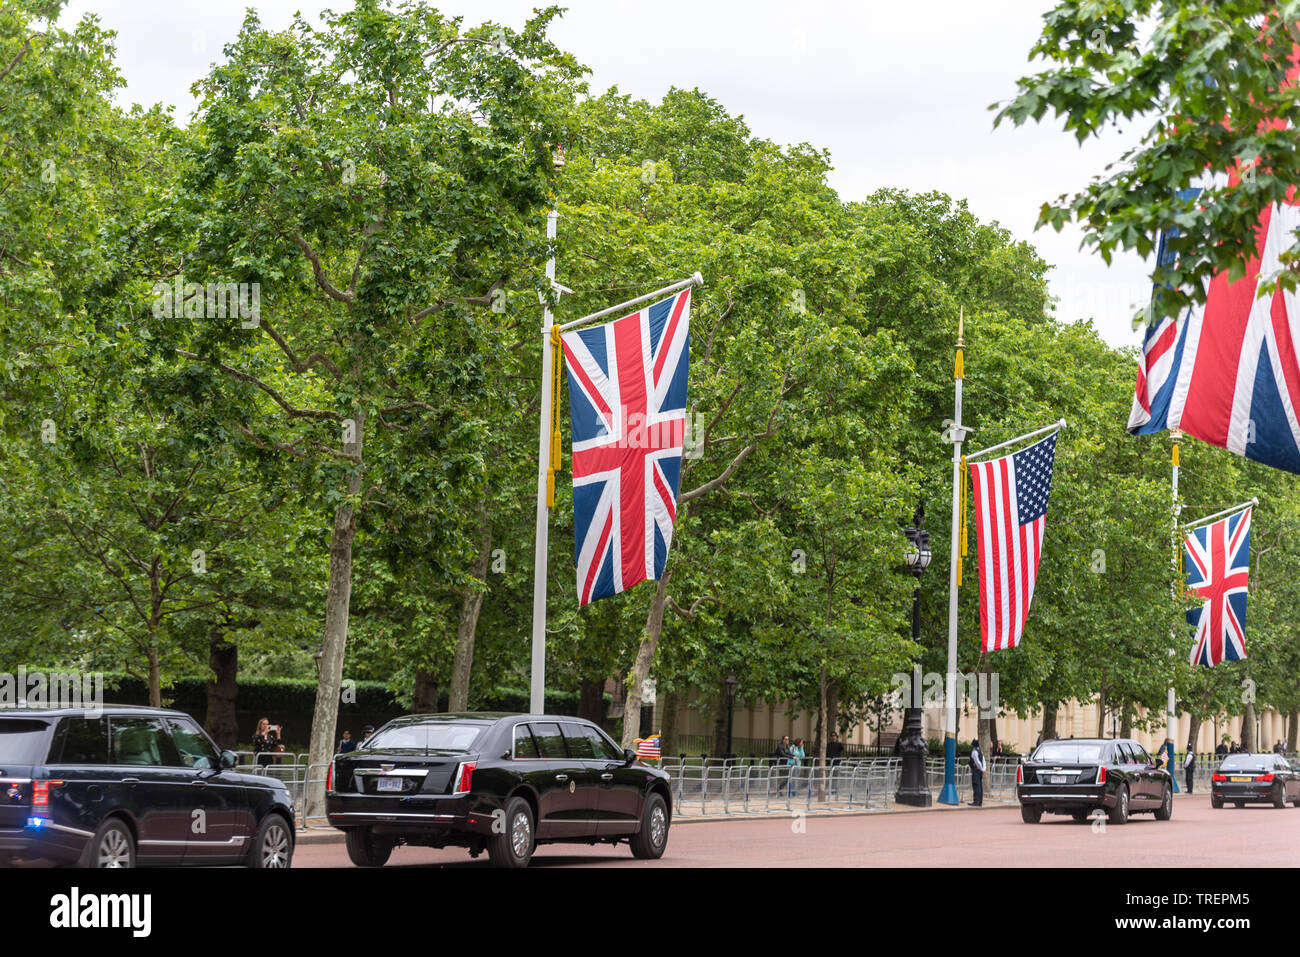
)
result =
(898, 92)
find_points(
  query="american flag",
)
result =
(627, 404)
(1010, 497)
(648, 747)
(1217, 560)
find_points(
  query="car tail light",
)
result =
(1216, 776)
(329, 778)
(1101, 774)
(1265, 778)
(465, 776)
(1020, 774)
(41, 797)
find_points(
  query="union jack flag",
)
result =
(627, 404)
(1218, 564)
(1226, 372)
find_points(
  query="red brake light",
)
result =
(41, 796)
(1216, 776)
(1265, 778)
(1101, 774)
(329, 778)
(1020, 774)
(466, 775)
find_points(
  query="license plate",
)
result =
(1058, 779)
(1241, 780)
(388, 784)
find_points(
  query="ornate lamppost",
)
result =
(913, 788)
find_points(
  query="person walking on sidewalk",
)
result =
(976, 774)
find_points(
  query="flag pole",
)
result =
(537, 689)
(1233, 510)
(949, 793)
(1171, 704)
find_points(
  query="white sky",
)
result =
(898, 92)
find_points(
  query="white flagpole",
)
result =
(537, 696)
(1233, 510)
(949, 793)
(1171, 703)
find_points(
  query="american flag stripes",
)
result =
(648, 747)
(1217, 560)
(627, 405)
(1010, 498)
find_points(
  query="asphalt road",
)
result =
(992, 836)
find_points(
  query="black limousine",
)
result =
(121, 786)
(1076, 776)
(1243, 779)
(503, 783)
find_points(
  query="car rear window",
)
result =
(549, 740)
(1245, 762)
(1069, 753)
(23, 740)
(80, 741)
(427, 736)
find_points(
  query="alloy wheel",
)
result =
(521, 836)
(114, 850)
(275, 847)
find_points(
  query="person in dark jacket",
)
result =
(347, 744)
(1189, 769)
(977, 768)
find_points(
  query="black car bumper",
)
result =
(46, 842)
(466, 813)
(1243, 792)
(1065, 798)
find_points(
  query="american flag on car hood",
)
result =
(648, 747)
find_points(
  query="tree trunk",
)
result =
(1248, 727)
(1193, 730)
(591, 700)
(1292, 727)
(1101, 710)
(823, 694)
(986, 733)
(223, 660)
(334, 643)
(470, 604)
(832, 708)
(1049, 721)
(1125, 721)
(155, 675)
(720, 725)
(645, 656)
(669, 730)
(425, 698)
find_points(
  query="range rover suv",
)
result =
(121, 786)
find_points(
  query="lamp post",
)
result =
(730, 681)
(913, 788)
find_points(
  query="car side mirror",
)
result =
(228, 760)
(629, 757)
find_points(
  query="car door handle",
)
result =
(131, 781)
(607, 776)
(561, 778)
(199, 783)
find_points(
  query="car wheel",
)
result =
(649, 843)
(366, 850)
(1279, 795)
(1119, 813)
(514, 846)
(1216, 801)
(1166, 809)
(1030, 815)
(112, 846)
(273, 845)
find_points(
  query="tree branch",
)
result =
(321, 279)
(293, 412)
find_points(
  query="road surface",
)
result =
(992, 836)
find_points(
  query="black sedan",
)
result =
(1077, 776)
(503, 783)
(121, 786)
(1255, 778)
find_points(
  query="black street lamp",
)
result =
(913, 788)
(730, 681)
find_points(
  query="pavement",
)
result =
(960, 836)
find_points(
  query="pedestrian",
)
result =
(1189, 768)
(977, 768)
(796, 761)
(347, 744)
(783, 761)
(1277, 748)
(266, 742)
(834, 748)
(1222, 749)
(366, 732)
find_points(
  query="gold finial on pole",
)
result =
(961, 326)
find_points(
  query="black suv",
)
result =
(503, 783)
(119, 785)
(1076, 776)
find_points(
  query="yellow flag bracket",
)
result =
(557, 361)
